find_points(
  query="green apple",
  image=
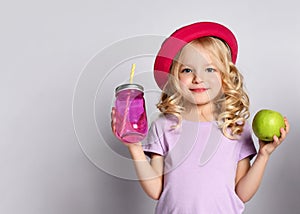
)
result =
(267, 123)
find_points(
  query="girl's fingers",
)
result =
(284, 131)
(287, 125)
(112, 114)
(113, 119)
(276, 141)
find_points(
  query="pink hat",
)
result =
(173, 44)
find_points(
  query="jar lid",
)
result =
(129, 86)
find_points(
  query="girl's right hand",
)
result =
(113, 120)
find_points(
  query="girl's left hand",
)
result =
(269, 147)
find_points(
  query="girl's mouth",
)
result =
(198, 90)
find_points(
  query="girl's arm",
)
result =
(150, 174)
(248, 178)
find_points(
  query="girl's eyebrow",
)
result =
(191, 66)
(186, 65)
(209, 65)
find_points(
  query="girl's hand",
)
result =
(113, 120)
(266, 149)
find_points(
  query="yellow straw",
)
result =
(127, 103)
(132, 73)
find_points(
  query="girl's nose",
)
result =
(197, 79)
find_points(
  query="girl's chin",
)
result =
(199, 100)
(196, 104)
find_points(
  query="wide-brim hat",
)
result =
(175, 42)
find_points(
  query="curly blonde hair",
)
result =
(232, 108)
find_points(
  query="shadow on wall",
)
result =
(124, 196)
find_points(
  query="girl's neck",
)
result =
(203, 113)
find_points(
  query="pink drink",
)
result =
(131, 118)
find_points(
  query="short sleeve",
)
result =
(155, 141)
(247, 145)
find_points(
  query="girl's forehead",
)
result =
(195, 53)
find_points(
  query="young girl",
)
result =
(201, 145)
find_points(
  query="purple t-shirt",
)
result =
(200, 166)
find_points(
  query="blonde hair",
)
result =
(232, 108)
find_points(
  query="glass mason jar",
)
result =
(131, 119)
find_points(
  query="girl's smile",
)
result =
(198, 90)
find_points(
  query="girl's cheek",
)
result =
(184, 86)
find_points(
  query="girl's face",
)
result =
(199, 78)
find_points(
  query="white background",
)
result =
(44, 47)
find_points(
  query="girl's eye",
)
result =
(186, 70)
(210, 70)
